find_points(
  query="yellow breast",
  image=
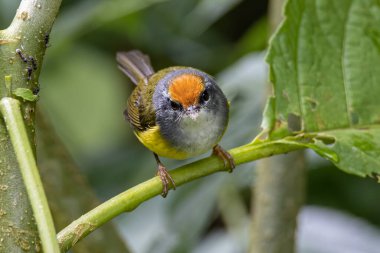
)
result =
(153, 140)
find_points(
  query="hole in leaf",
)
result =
(327, 140)
(375, 176)
(354, 118)
(294, 122)
(312, 103)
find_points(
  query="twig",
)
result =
(132, 198)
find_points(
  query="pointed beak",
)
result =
(193, 111)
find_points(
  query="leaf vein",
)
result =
(297, 49)
(343, 66)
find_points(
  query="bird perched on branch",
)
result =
(177, 112)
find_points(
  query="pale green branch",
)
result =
(132, 198)
(10, 109)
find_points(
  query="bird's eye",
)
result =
(205, 96)
(175, 106)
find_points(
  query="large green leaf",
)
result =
(324, 65)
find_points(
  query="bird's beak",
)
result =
(193, 111)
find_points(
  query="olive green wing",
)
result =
(132, 112)
(139, 112)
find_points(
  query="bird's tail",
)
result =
(135, 65)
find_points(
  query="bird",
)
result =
(178, 112)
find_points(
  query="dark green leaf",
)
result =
(324, 63)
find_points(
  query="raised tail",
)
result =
(135, 65)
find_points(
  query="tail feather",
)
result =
(135, 65)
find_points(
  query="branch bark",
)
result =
(27, 32)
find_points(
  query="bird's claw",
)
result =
(166, 179)
(226, 157)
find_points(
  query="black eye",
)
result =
(205, 96)
(175, 106)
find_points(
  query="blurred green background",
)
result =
(84, 95)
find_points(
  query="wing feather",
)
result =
(137, 113)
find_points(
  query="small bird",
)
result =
(177, 112)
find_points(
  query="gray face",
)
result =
(197, 128)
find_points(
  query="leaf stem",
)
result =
(10, 109)
(132, 198)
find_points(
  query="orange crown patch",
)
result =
(186, 89)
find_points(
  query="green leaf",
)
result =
(25, 94)
(269, 117)
(324, 62)
(358, 150)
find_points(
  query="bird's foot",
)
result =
(166, 179)
(226, 157)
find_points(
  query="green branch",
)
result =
(10, 109)
(132, 198)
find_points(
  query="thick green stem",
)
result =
(10, 109)
(132, 198)
(27, 32)
(278, 197)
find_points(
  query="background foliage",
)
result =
(84, 94)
